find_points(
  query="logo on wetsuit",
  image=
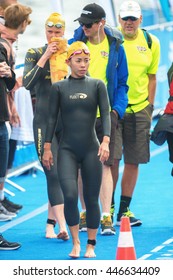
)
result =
(78, 96)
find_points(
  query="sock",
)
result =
(1, 195)
(113, 200)
(124, 203)
(105, 214)
(83, 210)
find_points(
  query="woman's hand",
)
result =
(103, 151)
(47, 158)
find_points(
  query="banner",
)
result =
(166, 9)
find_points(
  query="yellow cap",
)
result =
(77, 46)
(55, 19)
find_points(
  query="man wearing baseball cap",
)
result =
(91, 13)
(108, 63)
(130, 9)
(134, 129)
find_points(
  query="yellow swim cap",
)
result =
(56, 20)
(77, 47)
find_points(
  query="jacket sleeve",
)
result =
(10, 82)
(121, 100)
(117, 75)
(32, 71)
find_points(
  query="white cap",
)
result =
(130, 9)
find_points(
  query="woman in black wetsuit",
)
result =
(78, 98)
(37, 79)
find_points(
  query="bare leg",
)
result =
(80, 191)
(106, 189)
(129, 179)
(115, 173)
(74, 230)
(58, 211)
(50, 233)
(90, 248)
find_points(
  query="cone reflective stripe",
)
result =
(125, 250)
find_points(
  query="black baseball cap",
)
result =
(91, 13)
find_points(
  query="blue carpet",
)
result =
(152, 202)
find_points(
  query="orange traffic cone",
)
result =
(125, 250)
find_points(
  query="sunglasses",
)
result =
(79, 52)
(57, 25)
(129, 18)
(87, 25)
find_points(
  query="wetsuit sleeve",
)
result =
(53, 112)
(32, 71)
(103, 102)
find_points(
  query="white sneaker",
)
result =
(4, 217)
(6, 212)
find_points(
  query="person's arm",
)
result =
(117, 86)
(34, 65)
(9, 77)
(153, 68)
(32, 71)
(47, 158)
(106, 122)
(151, 88)
(5, 70)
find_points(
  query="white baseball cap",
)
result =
(130, 9)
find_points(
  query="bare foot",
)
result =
(50, 233)
(63, 235)
(75, 253)
(90, 252)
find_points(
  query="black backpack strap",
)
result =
(147, 37)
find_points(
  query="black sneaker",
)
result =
(9, 205)
(8, 208)
(6, 245)
(6, 212)
(133, 221)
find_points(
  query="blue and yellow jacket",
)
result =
(117, 70)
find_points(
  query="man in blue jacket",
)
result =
(108, 63)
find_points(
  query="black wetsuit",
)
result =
(78, 100)
(37, 80)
